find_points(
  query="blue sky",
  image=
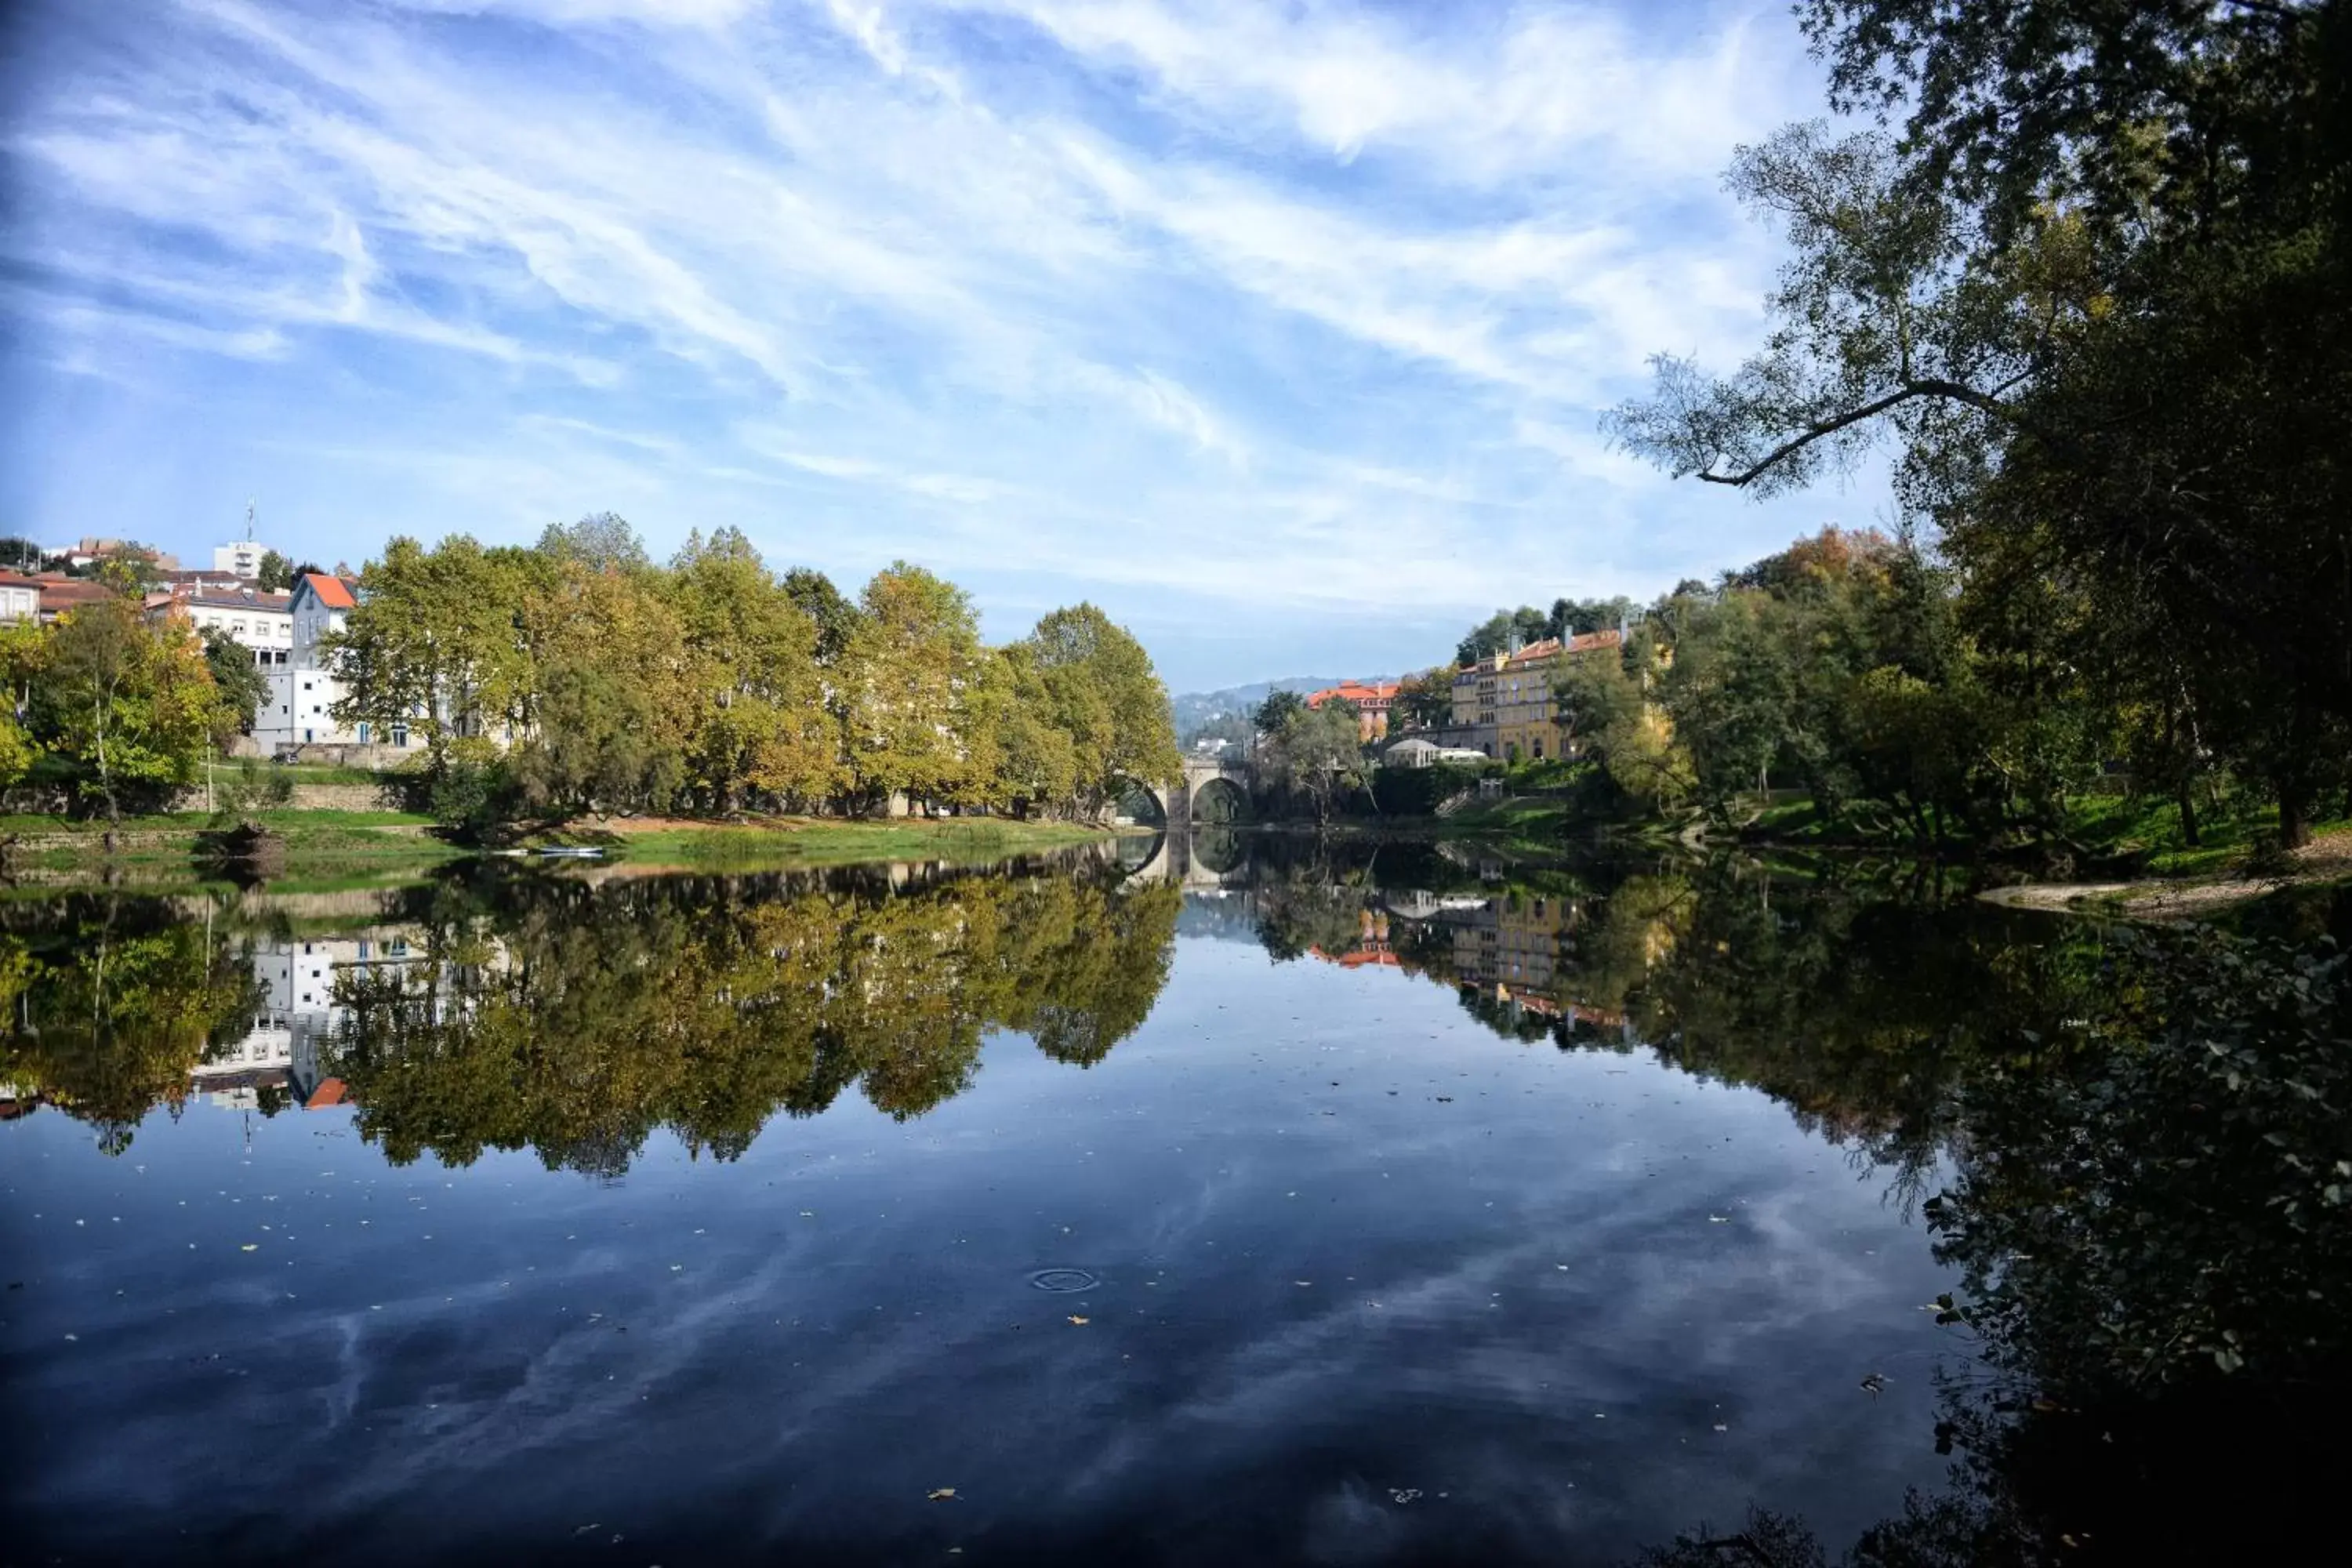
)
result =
(1278, 330)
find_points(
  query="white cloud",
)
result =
(1333, 295)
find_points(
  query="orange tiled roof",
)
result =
(333, 592)
(1583, 642)
(1363, 694)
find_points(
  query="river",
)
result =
(1355, 1208)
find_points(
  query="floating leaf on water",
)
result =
(250, 1247)
(1873, 1383)
(1081, 1323)
(940, 1494)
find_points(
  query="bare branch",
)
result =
(1910, 391)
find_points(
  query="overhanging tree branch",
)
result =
(1910, 391)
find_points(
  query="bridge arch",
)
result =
(1229, 781)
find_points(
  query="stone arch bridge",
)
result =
(1178, 809)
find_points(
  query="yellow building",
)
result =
(1513, 693)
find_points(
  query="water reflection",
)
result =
(575, 1015)
(1429, 1172)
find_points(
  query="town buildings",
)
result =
(20, 597)
(241, 558)
(1371, 700)
(252, 619)
(303, 693)
(1418, 751)
(1513, 694)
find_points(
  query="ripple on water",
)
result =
(1065, 1281)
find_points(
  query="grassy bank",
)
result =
(819, 841)
(326, 848)
(2141, 837)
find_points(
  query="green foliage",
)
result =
(471, 794)
(251, 786)
(239, 687)
(2099, 295)
(1418, 792)
(125, 707)
(1423, 700)
(1317, 755)
(275, 575)
(1276, 712)
(707, 1007)
(713, 685)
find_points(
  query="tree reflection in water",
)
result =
(111, 1003)
(2135, 1150)
(575, 1019)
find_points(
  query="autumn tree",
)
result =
(128, 703)
(437, 642)
(908, 667)
(1109, 701)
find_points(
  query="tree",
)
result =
(835, 616)
(20, 554)
(1318, 753)
(239, 687)
(1424, 700)
(1274, 713)
(1037, 761)
(276, 574)
(438, 641)
(2100, 293)
(907, 668)
(1127, 733)
(761, 718)
(601, 541)
(128, 703)
(596, 743)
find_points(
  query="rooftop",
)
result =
(1361, 693)
(333, 592)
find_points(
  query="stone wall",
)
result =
(315, 797)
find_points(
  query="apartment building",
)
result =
(1512, 695)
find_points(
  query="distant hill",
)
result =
(1195, 708)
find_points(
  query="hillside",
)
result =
(1195, 708)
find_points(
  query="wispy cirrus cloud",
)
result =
(1203, 310)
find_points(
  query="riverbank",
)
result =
(2326, 860)
(332, 848)
(787, 841)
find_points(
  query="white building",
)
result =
(20, 597)
(242, 559)
(300, 711)
(319, 604)
(299, 1008)
(1416, 752)
(252, 619)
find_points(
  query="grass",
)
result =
(805, 841)
(286, 819)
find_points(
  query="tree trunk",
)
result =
(2294, 816)
(2185, 794)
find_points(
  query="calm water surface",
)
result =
(1308, 1213)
